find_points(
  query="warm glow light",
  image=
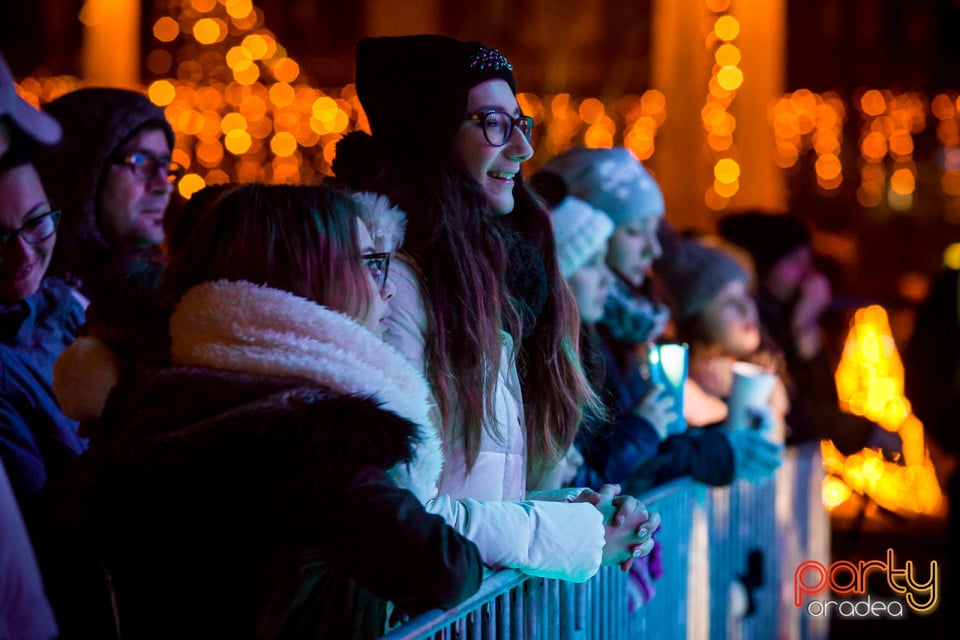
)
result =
(238, 57)
(282, 94)
(726, 189)
(719, 142)
(256, 45)
(597, 138)
(942, 107)
(246, 75)
(901, 144)
(873, 146)
(590, 109)
(286, 70)
(715, 201)
(951, 256)
(828, 166)
(206, 31)
(727, 55)
(826, 143)
(237, 141)
(653, 101)
(203, 6)
(727, 28)
(166, 29)
(210, 153)
(190, 184)
(239, 8)
(873, 103)
(726, 171)
(283, 144)
(190, 122)
(161, 92)
(730, 78)
(902, 181)
(834, 492)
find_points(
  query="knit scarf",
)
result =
(631, 317)
(240, 326)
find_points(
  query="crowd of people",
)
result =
(317, 410)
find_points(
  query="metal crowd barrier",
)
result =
(728, 560)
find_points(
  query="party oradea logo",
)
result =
(842, 588)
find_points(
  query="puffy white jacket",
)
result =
(549, 539)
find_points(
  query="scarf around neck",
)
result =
(240, 326)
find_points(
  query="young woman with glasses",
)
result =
(39, 317)
(480, 306)
(112, 176)
(269, 479)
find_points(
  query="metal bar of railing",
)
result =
(707, 538)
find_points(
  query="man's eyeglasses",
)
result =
(498, 126)
(146, 165)
(33, 231)
(379, 265)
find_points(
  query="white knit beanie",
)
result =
(579, 231)
(612, 180)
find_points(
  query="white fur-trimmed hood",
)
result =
(240, 326)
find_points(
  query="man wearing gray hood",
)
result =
(112, 176)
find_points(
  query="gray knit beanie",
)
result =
(579, 231)
(612, 180)
(693, 272)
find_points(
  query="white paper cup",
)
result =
(751, 389)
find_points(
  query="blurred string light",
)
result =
(725, 78)
(243, 110)
(946, 109)
(889, 120)
(803, 121)
(869, 383)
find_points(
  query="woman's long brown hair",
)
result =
(458, 248)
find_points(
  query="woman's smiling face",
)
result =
(494, 168)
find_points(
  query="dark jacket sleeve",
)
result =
(385, 540)
(20, 455)
(614, 446)
(704, 454)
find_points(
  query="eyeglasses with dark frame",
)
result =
(498, 126)
(379, 266)
(34, 231)
(146, 165)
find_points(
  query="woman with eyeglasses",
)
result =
(480, 306)
(269, 480)
(39, 317)
(112, 176)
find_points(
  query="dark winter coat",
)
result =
(253, 488)
(36, 438)
(236, 505)
(626, 449)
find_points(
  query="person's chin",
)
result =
(501, 204)
(20, 289)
